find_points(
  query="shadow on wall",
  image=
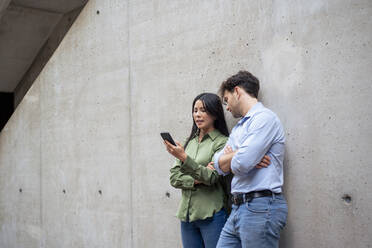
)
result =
(7, 108)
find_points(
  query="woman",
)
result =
(201, 210)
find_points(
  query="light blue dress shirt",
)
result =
(258, 133)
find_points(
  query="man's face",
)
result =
(230, 99)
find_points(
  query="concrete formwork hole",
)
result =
(347, 198)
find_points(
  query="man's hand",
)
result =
(176, 151)
(229, 150)
(264, 162)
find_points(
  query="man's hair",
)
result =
(243, 79)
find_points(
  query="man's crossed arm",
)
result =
(225, 160)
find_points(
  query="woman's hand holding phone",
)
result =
(176, 151)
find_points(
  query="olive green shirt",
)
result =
(199, 201)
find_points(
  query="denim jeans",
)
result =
(255, 224)
(203, 233)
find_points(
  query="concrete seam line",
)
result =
(41, 172)
(130, 127)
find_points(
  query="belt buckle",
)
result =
(237, 200)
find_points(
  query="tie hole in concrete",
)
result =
(347, 199)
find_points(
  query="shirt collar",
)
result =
(254, 109)
(251, 112)
(213, 134)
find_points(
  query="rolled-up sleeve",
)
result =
(199, 172)
(180, 180)
(255, 145)
(217, 156)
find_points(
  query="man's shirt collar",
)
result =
(251, 112)
(254, 109)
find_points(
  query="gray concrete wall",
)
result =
(84, 145)
(44, 54)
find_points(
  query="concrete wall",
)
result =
(84, 143)
(44, 54)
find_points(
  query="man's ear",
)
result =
(237, 91)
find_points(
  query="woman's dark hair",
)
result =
(213, 106)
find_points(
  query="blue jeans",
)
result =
(255, 224)
(203, 233)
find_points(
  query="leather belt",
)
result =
(247, 197)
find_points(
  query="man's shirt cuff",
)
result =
(217, 165)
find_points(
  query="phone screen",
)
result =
(166, 136)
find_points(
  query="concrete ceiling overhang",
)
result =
(25, 26)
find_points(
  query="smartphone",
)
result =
(168, 137)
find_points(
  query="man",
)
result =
(259, 210)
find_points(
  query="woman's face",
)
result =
(202, 119)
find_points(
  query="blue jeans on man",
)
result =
(255, 224)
